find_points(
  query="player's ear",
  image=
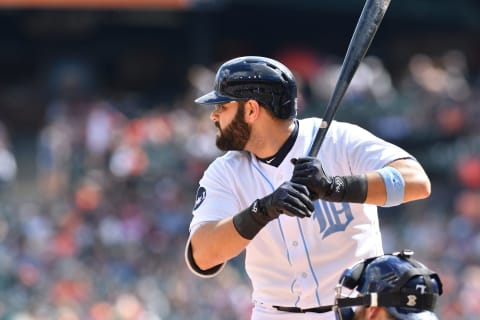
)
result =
(252, 110)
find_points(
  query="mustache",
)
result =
(217, 124)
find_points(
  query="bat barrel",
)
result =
(368, 23)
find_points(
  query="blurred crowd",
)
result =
(101, 235)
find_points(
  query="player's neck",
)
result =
(267, 140)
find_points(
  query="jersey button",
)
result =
(304, 275)
(294, 243)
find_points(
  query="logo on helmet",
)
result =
(422, 288)
(412, 300)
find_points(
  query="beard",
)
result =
(235, 136)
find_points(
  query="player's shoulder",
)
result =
(314, 123)
(234, 156)
(339, 132)
(230, 159)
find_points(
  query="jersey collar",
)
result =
(278, 157)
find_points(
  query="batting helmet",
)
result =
(404, 286)
(265, 80)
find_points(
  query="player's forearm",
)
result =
(215, 243)
(417, 184)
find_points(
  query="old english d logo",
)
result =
(332, 216)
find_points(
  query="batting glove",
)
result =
(309, 172)
(289, 198)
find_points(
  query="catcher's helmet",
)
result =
(265, 80)
(404, 286)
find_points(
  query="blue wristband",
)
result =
(394, 184)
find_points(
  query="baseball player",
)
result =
(391, 286)
(302, 220)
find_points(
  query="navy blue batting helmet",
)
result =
(262, 79)
(404, 286)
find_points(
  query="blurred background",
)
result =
(101, 145)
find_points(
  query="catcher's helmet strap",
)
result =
(411, 299)
(409, 274)
(419, 270)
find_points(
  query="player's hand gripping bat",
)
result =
(367, 25)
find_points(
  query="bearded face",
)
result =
(234, 136)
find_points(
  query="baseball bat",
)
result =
(367, 25)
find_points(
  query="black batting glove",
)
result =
(309, 172)
(289, 198)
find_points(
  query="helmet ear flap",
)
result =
(286, 105)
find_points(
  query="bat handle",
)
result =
(319, 137)
(330, 112)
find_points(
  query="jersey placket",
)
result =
(297, 251)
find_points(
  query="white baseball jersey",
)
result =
(295, 262)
